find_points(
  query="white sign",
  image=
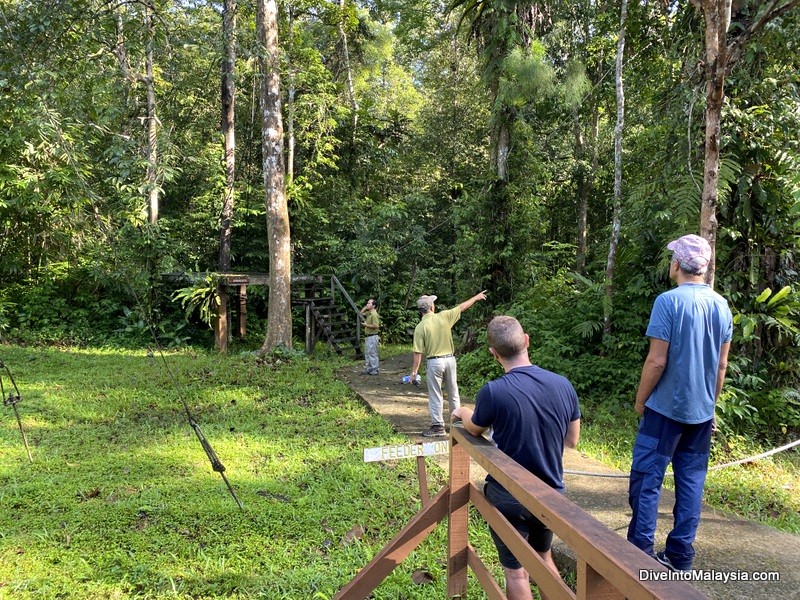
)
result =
(406, 451)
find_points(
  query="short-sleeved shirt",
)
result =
(696, 321)
(432, 335)
(529, 410)
(372, 319)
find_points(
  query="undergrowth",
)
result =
(765, 490)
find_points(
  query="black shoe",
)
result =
(435, 431)
(664, 560)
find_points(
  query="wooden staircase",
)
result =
(331, 316)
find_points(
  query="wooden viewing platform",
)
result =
(329, 309)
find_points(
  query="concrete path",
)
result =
(727, 546)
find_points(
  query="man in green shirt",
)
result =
(371, 327)
(433, 337)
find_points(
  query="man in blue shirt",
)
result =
(690, 333)
(533, 414)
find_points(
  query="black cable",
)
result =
(12, 401)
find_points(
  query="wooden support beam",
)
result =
(548, 583)
(592, 586)
(484, 577)
(221, 320)
(458, 521)
(401, 545)
(243, 310)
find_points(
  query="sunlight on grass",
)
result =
(121, 500)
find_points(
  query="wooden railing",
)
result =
(608, 567)
(335, 283)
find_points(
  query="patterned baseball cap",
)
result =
(691, 251)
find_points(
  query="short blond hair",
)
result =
(506, 336)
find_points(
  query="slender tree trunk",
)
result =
(586, 178)
(152, 127)
(617, 217)
(500, 140)
(228, 89)
(717, 15)
(348, 70)
(147, 79)
(279, 315)
(290, 103)
(583, 192)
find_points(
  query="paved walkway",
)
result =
(725, 544)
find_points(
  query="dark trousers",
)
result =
(661, 440)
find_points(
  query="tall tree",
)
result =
(617, 214)
(498, 27)
(351, 93)
(147, 78)
(722, 51)
(279, 313)
(228, 89)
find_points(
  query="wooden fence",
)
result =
(608, 567)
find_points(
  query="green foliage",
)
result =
(404, 200)
(761, 389)
(202, 296)
(765, 490)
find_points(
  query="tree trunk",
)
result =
(585, 182)
(349, 72)
(152, 127)
(279, 314)
(290, 103)
(228, 90)
(500, 142)
(147, 79)
(583, 192)
(617, 218)
(717, 15)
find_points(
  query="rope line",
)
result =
(714, 468)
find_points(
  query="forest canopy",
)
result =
(427, 148)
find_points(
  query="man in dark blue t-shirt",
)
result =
(533, 414)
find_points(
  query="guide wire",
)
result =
(12, 401)
(714, 468)
(216, 465)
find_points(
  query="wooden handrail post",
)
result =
(242, 311)
(422, 474)
(458, 522)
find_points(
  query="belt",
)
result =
(440, 356)
(371, 334)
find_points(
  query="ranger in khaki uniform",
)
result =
(371, 325)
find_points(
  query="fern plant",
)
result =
(201, 297)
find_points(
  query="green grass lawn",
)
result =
(121, 500)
